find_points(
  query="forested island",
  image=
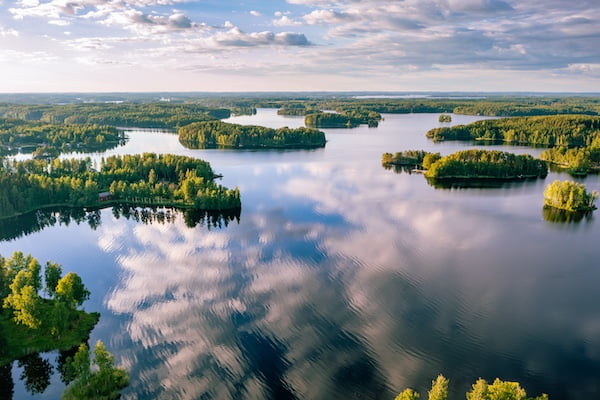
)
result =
(147, 179)
(470, 164)
(44, 139)
(445, 118)
(343, 119)
(480, 390)
(569, 196)
(139, 115)
(573, 140)
(31, 324)
(213, 134)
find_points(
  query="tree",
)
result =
(52, 275)
(24, 301)
(105, 381)
(71, 290)
(408, 394)
(439, 389)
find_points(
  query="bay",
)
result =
(340, 280)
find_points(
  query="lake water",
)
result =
(340, 280)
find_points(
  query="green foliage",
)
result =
(344, 118)
(104, 381)
(555, 130)
(135, 179)
(71, 291)
(221, 134)
(480, 390)
(407, 394)
(439, 389)
(52, 275)
(48, 139)
(149, 115)
(32, 323)
(407, 157)
(486, 164)
(569, 196)
(445, 118)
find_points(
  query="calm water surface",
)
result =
(340, 280)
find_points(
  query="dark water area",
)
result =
(339, 279)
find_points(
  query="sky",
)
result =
(299, 45)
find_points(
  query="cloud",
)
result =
(327, 17)
(286, 21)
(255, 13)
(7, 32)
(237, 38)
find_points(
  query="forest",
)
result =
(470, 164)
(488, 105)
(146, 179)
(212, 134)
(139, 115)
(41, 138)
(573, 140)
(344, 119)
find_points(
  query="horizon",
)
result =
(125, 46)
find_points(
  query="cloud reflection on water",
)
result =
(365, 293)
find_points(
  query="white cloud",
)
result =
(286, 21)
(255, 13)
(6, 32)
(327, 17)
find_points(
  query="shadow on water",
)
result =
(23, 225)
(557, 216)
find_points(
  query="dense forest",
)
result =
(470, 164)
(41, 138)
(145, 115)
(147, 179)
(574, 140)
(487, 164)
(213, 134)
(496, 106)
(569, 196)
(343, 119)
(480, 390)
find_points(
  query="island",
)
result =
(573, 141)
(569, 196)
(470, 164)
(344, 119)
(147, 179)
(445, 118)
(218, 134)
(49, 139)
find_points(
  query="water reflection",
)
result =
(17, 227)
(556, 215)
(351, 298)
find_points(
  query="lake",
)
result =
(341, 279)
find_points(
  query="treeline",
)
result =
(348, 118)
(146, 115)
(497, 106)
(480, 390)
(32, 136)
(212, 134)
(470, 164)
(147, 179)
(574, 139)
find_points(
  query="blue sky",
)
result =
(212, 45)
